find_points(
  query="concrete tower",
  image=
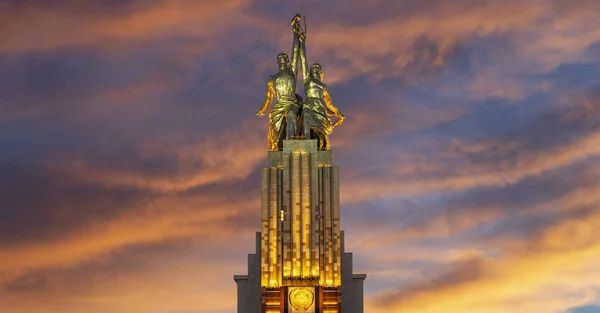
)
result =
(300, 264)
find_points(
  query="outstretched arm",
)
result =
(332, 110)
(268, 98)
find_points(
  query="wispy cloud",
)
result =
(130, 156)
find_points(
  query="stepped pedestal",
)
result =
(300, 264)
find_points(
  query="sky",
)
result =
(130, 156)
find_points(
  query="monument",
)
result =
(300, 264)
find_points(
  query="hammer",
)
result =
(295, 21)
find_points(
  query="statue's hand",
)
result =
(340, 119)
(297, 17)
(296, 28)
(260, 113)
(296, 24)
(302, 37)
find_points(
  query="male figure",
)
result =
(283, 118)
(318, 105)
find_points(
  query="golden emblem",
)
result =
(302, 299)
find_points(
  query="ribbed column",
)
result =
(300, 238)
(337, 253)
(264, 234)
(306, 216)
(314, 225)
(301, 207)
(328, 226)
(296, 216)
(280, 219)
(322, 242)
(287, 223)
(273, 226)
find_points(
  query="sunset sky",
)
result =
(130, 155)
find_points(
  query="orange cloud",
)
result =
(537, 274)
(212, 160)
(29, 27)
(360, 47)
(549, 271)
(157, 219)
(562, 254)
(467, 175)
(540, 36)
(152, 285)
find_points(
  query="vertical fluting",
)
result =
(328, 228)
(337, 254)
(321, 216)
(300, 218)
(306, 216)
(287, 238)
(314, 212)
(278, 236)
(273, 227)
(296, 213)
(264, 235)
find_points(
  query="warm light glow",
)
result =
(306, 270)
(287, 271)
(337, 279)
(105, 161)
(273, 301)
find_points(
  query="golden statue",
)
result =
(283, 118)
(318, 105)
(289, 112)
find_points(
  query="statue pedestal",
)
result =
(300, 250)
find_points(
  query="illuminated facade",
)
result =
(300, 264)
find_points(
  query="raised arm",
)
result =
(295, 45)
(294, 60)
(268, 98)
(303, 62)
(331, 109)
(299, 49)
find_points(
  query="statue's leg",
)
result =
(300, 122)
(276, 130)
(305, 123)
(271, 138)
(281, 134)
(323, 142)
(327, 146)
(292, 122)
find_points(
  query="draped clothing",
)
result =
(285, 111)
(314, 116)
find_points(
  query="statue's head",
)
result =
(316, 71)
(283, 60)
